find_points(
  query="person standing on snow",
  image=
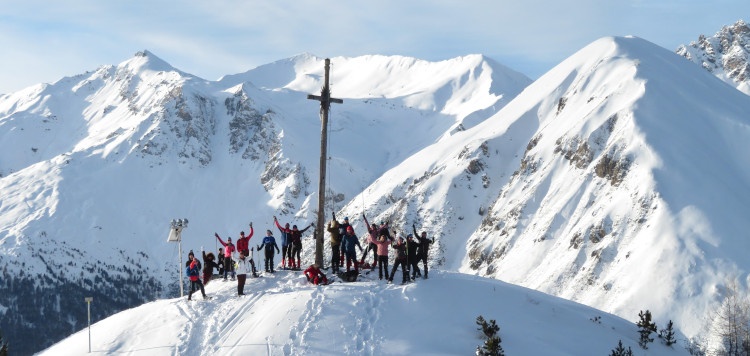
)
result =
(243, 246)
(333, 229)
(372, 237)
(286, 243)
(220, 261)
(400, 247)
(342, 231)
(296, 236)
(424, 248)
(382, 250)
(315, 275)
(269, 243)
(208, 266)
(412, 259)
(192, 272)
(350, 243)
(243, 268)
(229, 249)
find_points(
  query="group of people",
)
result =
(409, 252)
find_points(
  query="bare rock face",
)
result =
(725, 54)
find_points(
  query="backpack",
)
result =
(350, 276)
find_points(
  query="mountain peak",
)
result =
(726, 54)
(147, 61)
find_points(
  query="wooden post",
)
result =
(325, 103)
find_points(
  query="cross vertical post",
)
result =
(325, 103)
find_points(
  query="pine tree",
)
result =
(3, 346)
(668, 334)
(620, 350)
(491, 346)
(646, 327)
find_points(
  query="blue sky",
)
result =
(43, 41)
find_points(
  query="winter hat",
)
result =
(294, 227)
(229, 239)
(242, 233)
(410, 236)
(191, 253)
(349, 229)
(346, 218)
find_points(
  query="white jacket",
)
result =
(243, 266)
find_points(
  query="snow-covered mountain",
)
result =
(619, 179)
(726, 54)
(285, 315)
(93, 167)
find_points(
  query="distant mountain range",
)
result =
(616, 180)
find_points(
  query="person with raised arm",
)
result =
(333, 229)
(296, 237)
(229, 249)
(286, 243)
(268, 244)
(424, 248)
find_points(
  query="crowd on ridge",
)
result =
(236, 261)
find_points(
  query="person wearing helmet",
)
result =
(229, 249)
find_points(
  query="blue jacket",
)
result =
(269, 242)
(350, 242)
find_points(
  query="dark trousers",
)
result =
(414, 266)
(335, 257)
(269, 261)
(228, 267)
(424, 263)
(296, 251)
(404, 270)
(286, 255)
(374, 249)
(241, 284)
(195, 285)
(382, 266)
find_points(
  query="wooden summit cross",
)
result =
(325, 103)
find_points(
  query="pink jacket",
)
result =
(382, 247)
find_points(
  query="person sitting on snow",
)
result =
(315, 275)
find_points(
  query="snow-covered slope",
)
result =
(726, 54)
(284, 315)
(619, 179)
(93, 167)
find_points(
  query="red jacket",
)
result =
(244, 242)
(312, 272)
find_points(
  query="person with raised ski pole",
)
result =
(333, 229)
(424, 248)
(229, 249)
(243, 245)
(269, 243)
(286, 243)
(296, 236)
